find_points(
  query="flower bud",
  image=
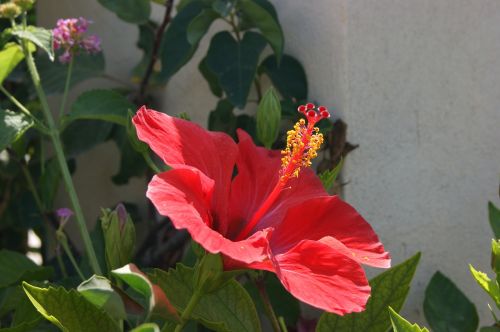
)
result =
(268, 118)
(9, 10)
(25, 5)
(208, 273)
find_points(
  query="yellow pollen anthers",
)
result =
(303, 142)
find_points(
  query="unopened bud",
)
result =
(25, 5)
(268, 118)
(9, 10)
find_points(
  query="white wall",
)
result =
(418, 82)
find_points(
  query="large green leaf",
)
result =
(266, 22)
(399, 324)
(12, 126)
(222, 118)
(106, 105)
(132, 11)
(10, 57)
(289, 77)
(235, 63)
(49, 181)
(210, 77)
(41, 37)
(490, 286)
(15, 267)
(157, 301)
(53, 74)
(69, 310)
(98, 291)
(13, 302)
(200, 24)
(494, 217)
(228, 308)
(82, 135)
(447, 309)
(388, 289)
(176, 48)
(131, 162)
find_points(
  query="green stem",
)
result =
(258, 88)
(61, 264)
(187, 312)
(24, 110)
(31, 186)
(56, 141)
(267, 305)
(61, 237)
(150, 162)
(66, 89)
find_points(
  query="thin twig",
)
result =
(156, 48)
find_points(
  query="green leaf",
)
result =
(49, 182)
(119, 237)
(15, 267)
(105, 105)
(41, 37)
(210, 77)
(12, 127)
(228, 308)
(328, 177)
(289, 77)
(138, 281)
(235, 63)
(53, 74)
(222, 118)
(10, 57)
(266, 23)
(399, 324)
(98, 291)
(131, 11)
(390, 288)
(14, 302)
(446, 308)
(82, 135)
(198, 27)
(69, 310)
(176, 49)
(131, 162)
(223, 7)
(489, 329)
(494, 216)
(495, 257)
(490, 286)
(148, 327)
(268, 118)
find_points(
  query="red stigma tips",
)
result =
(312, 113)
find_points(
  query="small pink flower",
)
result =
(69, 35)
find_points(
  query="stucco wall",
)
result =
(418, 82)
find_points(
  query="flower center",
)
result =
(302, 144)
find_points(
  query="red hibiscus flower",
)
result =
(267, 216)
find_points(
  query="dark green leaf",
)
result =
(200, 24)
(328, 177)
(489, 329)
(235, 63)
(288, 77)
(176, 49)
(49, 182)
(106, 105)
(138, 281)
(24, 316)
(10, 57)
(210, 77)
(223, 7)
(98, 291)
(247, 123)
(132, 11)
(268, 118)
(82, 135)
(399, 324)
(53, 74)
(222, 118)
(41, 37)
(69, 310)
(388, 289)
(131, 162)
(12, 126)
(266, 23)
(15, 267)
(494, 216)
(229, 308)
(446, 308)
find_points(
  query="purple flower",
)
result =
(64, 213)
(69, 35)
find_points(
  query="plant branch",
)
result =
(189, 309)
(268, 307)
(66, 89)
(156, 48)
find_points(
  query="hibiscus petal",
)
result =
(319, 275)
(258, 174)
(329, 216)
(184, 195)
(179, 142)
